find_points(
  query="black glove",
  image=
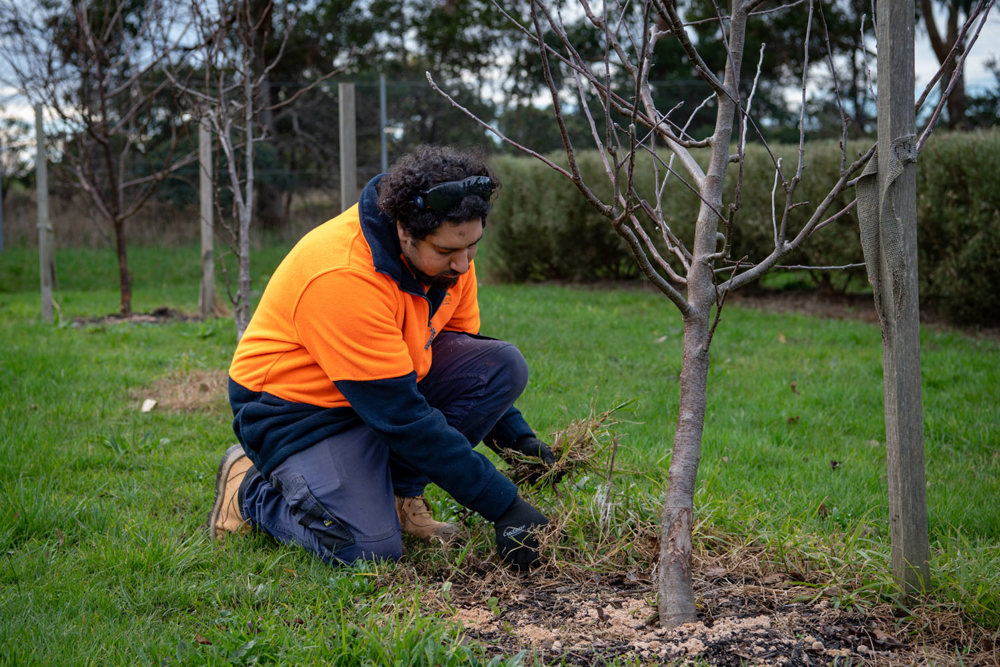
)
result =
(528, 445)
(517, 542)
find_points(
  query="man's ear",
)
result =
(405, 238)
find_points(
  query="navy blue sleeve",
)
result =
(511, 428)
(421, 436)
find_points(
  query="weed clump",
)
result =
(585, 446)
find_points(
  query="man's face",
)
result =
(438, 259)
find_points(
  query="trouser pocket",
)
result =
(311, 514)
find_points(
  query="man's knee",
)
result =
(512, 368)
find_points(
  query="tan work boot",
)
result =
(415, 519)
(225, 516)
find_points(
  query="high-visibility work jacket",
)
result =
(343, 332)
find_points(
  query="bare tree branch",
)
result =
(957, 55)
(93, 75)
(493, 130)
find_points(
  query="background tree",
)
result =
(832, 47)
(984, 107)
(634, 131)
(92, 64)
(15, 163)
(674, 81)
(301, 148)
(460, 43)
(363, 39)
(232, 93)
(947, 45)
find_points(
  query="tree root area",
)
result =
(612, 619)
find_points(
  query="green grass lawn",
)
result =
(103, 560)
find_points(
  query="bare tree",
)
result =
(631, 133)
(94, 66)
(238, 50)
(14, 163)
(946, 44)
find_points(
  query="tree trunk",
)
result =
(124, 280)
(242, 310)
(676, 587)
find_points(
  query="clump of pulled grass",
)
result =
(585, 446)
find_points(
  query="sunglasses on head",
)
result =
(446, 196)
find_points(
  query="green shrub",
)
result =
(958, 209)
(543, 228)
(752, 236)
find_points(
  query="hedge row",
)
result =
(543, 229)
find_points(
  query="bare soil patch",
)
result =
(809, 302)
(781, 618)
(859, 307)
(195, 390)
(160, 315)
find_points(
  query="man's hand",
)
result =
(517, 542)
(529, 445)
(527, 471)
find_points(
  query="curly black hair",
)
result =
(418, 171)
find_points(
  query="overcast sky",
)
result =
(977, 76)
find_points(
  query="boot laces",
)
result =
(418, 507)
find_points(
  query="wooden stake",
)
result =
(348, 147)
(46, 262)
(206, 297)
(898, 293)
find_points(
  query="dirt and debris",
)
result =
(837, 306)
(159, 315)
(612, 618)
(808, 302)
(195, 390)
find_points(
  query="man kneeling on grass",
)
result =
(362, 378)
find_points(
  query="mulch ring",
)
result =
(159, 315)
(612, 619)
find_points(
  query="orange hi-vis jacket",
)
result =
(327, 315)
(343, 307)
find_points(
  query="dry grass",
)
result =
(190, 391)
(584, 446)
(77, 224)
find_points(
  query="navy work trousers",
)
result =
(336, 498)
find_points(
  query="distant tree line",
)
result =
(111, 69)
(480, 57)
